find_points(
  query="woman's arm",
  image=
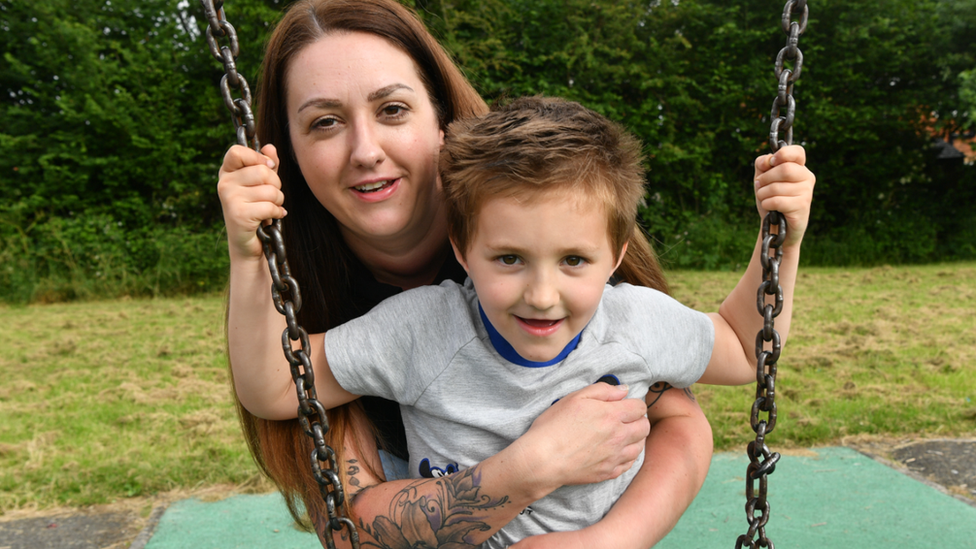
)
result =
(678, 453)
(250, 192)
(468, 507)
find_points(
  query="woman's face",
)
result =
(365, 136)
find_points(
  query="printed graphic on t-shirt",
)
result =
(426, 471)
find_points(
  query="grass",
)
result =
(103, 401)
(884, 351)
(115, 399)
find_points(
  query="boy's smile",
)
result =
(539, 267)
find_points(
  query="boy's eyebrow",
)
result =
(501, 248)
(327, 103)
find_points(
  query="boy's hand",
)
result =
(783, 183)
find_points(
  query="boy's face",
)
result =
(539, 269)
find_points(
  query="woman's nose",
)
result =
(367, 152)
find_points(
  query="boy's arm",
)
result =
(678, 453)
(783, 183)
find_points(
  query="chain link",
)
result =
(762, 461)
(787, 77)
(240, 107)
(284, 288)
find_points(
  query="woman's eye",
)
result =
(394, 110)
(575, 261)
(508, 259)
(325, 123)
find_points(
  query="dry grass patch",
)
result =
(888, 351)
(113, 400)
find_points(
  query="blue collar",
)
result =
(509, 353)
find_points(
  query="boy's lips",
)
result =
(539, 327)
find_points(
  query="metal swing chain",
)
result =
(284, 288)
(762, 462)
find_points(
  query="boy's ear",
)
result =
(459, 256)
(620, 258)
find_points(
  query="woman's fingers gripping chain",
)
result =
(250, 177)
(250, 193)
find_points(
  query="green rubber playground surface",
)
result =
(837, 498)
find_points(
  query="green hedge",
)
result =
(112, 129)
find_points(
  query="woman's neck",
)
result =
(405, 262)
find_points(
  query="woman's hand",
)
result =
(592, 435)
(250, 192)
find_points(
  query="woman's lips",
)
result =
(377, 191)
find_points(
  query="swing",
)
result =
(288, 301)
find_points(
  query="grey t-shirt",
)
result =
(462, 402)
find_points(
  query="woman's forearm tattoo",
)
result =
(443, 512)
(662, 387)
(354, 484)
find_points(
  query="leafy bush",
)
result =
(94, 257)
(112, 127)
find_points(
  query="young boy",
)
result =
(542, 199)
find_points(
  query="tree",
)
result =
(112, 130)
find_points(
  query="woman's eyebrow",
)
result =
(321, 103)
(324, 103)
(385, 91)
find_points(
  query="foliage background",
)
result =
(112, 130)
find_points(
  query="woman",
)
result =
(355, 96)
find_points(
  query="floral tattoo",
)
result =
(446, 512)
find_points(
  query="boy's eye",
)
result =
(575, 261)
(508, 259)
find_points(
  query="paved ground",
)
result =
(910, 494)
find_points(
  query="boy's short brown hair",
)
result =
(534, 146)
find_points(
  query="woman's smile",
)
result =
(367, 138)
(377, 191)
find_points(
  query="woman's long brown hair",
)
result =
(316, 253)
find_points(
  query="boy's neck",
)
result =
(508, 352)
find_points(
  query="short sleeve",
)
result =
(396, 349)
(675, 341)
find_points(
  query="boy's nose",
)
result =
(541, 293)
